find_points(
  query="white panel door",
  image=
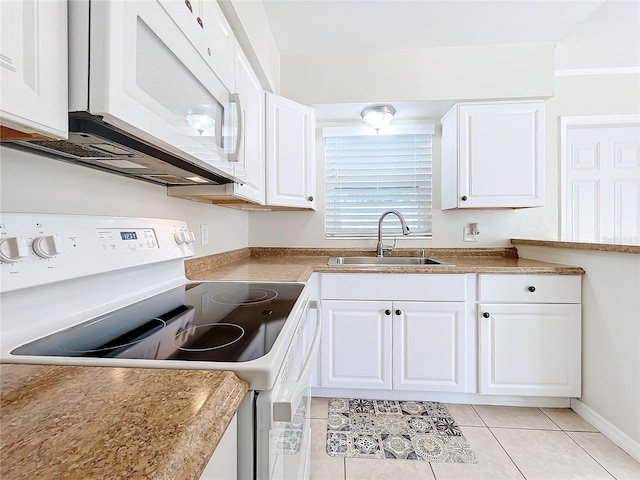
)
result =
(602, 183)
(290, 153)
(428, 346)
(33, 60)
(530, 349)
(356, 344)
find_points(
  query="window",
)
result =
(368, 173)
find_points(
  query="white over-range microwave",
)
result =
(146, 97)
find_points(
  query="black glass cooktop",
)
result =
(209, 321)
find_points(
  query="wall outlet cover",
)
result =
(468, 236)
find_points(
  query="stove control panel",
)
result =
(37, 249)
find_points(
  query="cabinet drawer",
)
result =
(530, 288)
(418, 287)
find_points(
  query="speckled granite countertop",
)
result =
(281, 264)
(107, 423)
(598, 247)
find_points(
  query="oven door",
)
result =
(152, 73)
(284, 422)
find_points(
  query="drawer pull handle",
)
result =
(486, 314)
(398, 312)
(532, 288)
(387, 312)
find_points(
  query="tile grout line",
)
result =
(585, 451)
(496, 438)
(574, 441)
(507, 454)
(433, 472)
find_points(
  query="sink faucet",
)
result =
(381, 248)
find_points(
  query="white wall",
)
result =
(610, 332)
(31, 183)
(459, 73)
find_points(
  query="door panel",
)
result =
(356, 344)
(601, 201)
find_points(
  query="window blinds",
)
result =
(368, 174)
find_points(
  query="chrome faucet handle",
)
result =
(388, 248)
(422, 253)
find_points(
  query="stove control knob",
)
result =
(47, 247)
(180, 237)
(13, 249)
(191, 237)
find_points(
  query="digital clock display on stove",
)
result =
(128, 235)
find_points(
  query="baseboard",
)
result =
(445, 397)
(613, 433)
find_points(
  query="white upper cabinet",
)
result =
(493, 155)
(250, 165)
(223, 43)
(33, 61)
(290, 154)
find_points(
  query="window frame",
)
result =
(391, 228)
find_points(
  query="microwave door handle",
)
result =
(235, 99)
(284, 408)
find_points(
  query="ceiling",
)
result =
(325, 26)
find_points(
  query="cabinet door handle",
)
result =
(310, 199)
(486, 314)
(463, 198)
(532, 288)
(199, 20)
(188, 4)
(398, 312)
(387, 312)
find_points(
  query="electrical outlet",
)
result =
(468, 236)
(204, 234)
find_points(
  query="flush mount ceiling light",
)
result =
(378, 116)
(200, 121)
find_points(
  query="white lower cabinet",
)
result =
(530, 335)
(396, 345)
(530, 349)
(356, 344)
(428, 346)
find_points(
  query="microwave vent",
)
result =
(72, 150)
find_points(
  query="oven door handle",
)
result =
(286, 404)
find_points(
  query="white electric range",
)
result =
(111, 291)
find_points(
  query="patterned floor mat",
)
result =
(395, 430)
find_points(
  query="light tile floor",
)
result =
(511, 443)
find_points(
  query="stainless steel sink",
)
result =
(386, 261)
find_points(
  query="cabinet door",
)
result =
(251, 162)
(223, 43)
(33, 59)
(429, 346)
(290, 144)
(530, 349)
(498, 149)
(356, 344)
